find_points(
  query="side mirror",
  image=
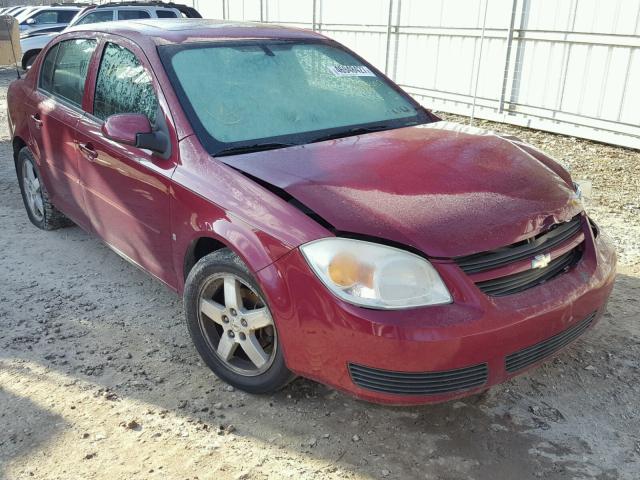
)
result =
(134, 129)
(30, 21)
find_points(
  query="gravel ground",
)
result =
(98, 379)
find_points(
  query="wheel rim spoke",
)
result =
(232, 298)
(254, 351)
(226, 347)
(212, 309)
(257, 319)
(30, 200)
(37, 200)
(30, 175)
(35, 183)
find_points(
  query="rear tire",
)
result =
(42, 213)
(231, 325)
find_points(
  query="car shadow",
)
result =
(25, 425)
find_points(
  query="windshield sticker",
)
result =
(351, 71)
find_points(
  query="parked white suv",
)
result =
(31, 44)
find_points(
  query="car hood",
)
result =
(442, 188)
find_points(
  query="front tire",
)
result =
(42, 213)
(231, 325)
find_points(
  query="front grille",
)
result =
(427, 383)
(530, 355)
(544, 242)
(519, 282)
(481, 262)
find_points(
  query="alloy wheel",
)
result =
(237, 324)
(32, 190)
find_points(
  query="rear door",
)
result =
(127, 189)
(58, 109)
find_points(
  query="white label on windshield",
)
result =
(351, 71)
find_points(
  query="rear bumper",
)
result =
(433, 354)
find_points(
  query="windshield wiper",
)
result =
(350, 132)
(256, 147)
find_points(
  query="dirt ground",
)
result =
(98, 378)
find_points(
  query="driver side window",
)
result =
(64, 69)
(123, 85)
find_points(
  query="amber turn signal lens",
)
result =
(345, 271)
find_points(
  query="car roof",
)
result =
(54, 7)
(179, 30)
(125, 6)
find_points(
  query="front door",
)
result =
(127, 189)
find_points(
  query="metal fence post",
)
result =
(475, 88)
(397, 45)
(388, 50)
(507, 58)
(571, 24)
(313, 6)
(517, 67)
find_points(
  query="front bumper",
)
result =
(476, 342)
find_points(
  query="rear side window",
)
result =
(123, 85)
(166, 14)
(65, 16)
(46, 70)
(132, 14)
(96, 17)
(70, 67)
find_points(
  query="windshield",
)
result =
(269, 94)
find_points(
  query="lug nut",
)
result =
(225, 319)
(233, 312)
(243, 322)
(231, 334)
(242, 336)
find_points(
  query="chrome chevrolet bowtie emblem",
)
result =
(541, 261)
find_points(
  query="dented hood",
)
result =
(445, 189)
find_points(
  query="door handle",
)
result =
(36, 120)
(88, 151)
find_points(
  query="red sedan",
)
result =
(316, 219)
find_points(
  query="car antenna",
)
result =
(6, 22)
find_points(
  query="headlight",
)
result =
(373, 275)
